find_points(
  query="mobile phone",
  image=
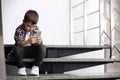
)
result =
(37, 33)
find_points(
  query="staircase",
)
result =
(55, 64)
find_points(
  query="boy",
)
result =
(26, 44)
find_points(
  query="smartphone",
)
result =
(37, 33)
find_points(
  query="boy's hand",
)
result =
(39, 40)
(34, 39)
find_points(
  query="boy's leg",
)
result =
(19, 53)
(36, 52)
(38, 55)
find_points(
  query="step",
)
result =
(69, 46)
(100, 76)
(60, 65)
(70, 60)
(78, 46)
(67, 60)
(55, 51)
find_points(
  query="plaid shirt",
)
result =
(20, 34)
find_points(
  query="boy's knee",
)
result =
(18, 49)
(43, 50)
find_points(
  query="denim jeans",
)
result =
(35, 52)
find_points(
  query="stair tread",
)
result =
(77, 46)
(70, 46)
(71, 60)
(78, 60)
(67, 76)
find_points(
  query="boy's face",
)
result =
(29, 26)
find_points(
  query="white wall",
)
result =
(53, 22)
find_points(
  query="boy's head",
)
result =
(30, 20)
(31, 16)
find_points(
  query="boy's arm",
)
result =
(24, 43)
(31, 40)
(19, 38)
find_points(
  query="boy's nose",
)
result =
(31, 29)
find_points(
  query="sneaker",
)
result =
(22, 71)
(35, 71)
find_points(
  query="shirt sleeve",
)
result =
(18, 36)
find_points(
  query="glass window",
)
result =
(76, 2)
(78, 39)
(78, 11)
(93, 20)
(93, 37)
(93, 5)
(78, 25)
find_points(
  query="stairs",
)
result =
(56, 64)
(107, 76)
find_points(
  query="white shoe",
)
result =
(22, 71)
(35, 71)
